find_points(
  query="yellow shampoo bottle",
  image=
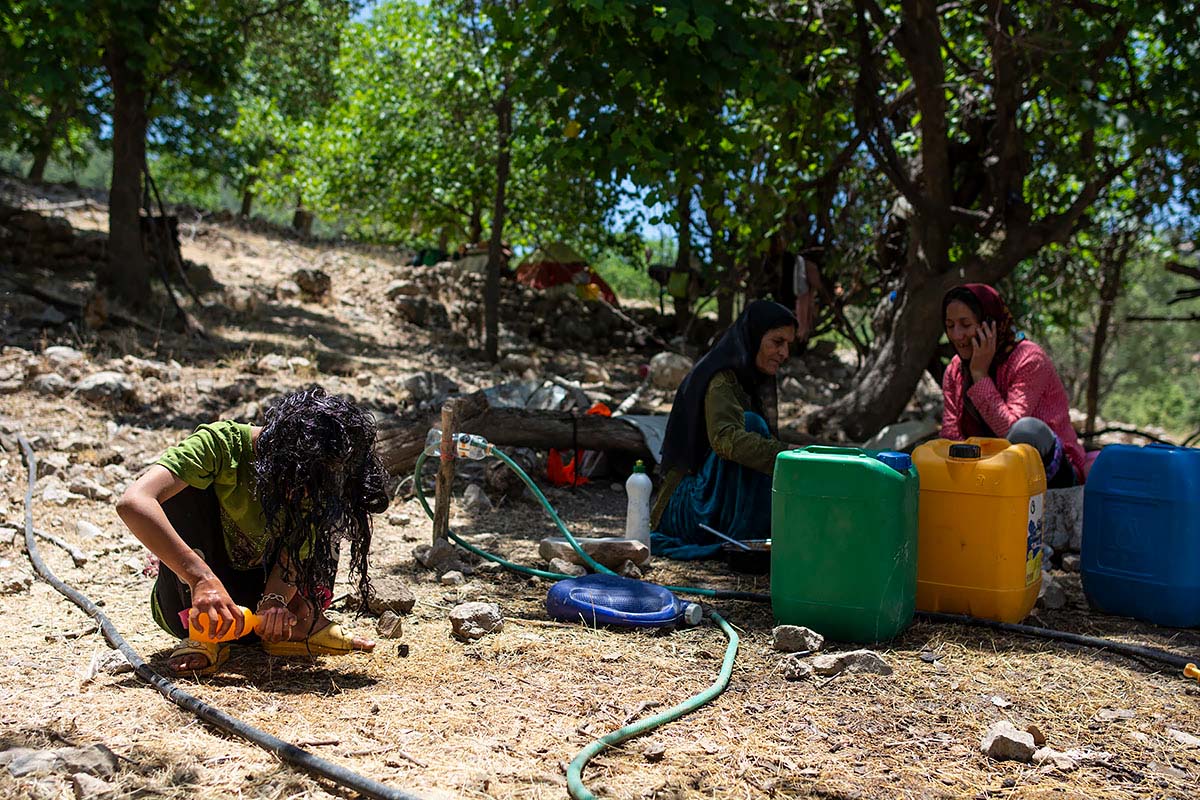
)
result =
(203, 634)
(979, 528)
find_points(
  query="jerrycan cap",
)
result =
(639, 466)
(901, 462)
(965, 451)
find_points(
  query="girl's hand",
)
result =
(210, 598)
(983, 350)
(275, 621)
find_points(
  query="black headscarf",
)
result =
(686, 443)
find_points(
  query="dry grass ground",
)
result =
(501, 718)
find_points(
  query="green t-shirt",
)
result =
(221, 456)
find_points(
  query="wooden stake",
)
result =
(445, 476)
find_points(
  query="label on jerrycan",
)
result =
(1033, 539)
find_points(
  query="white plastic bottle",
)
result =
(637, 516)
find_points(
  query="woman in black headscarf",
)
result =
(721, 440)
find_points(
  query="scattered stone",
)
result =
(272, 362)
(390, 593)
(86, 787)
(851, 661)
(1167, 770)
(287, 290)
(1000, 702)
(58, 494)
(1114, 714)
(106, 387)
(654, 752)
(422, 312)
(1005, 742)
(1070, 563)
(403, 520)
(1051, 596)
(517, 362)
(795, 668)
(612, 553)
(402, 650)
(594, 373)
(1064, 518)
(629, 570)
(1184, 738)
(476, 501)
(453, 578)
(363, 378)
(14, 584)
(314, 284)
(1090, 758)
(795, 639)
(667, 370)
(564, 567)
(51, 383)
(476, 620)
(106, 662)
(90, 489)
(86, 530)
(401, 288)
(1049, 757)
(441, 557)
(427, 386)
(60, 356)
(390, 625)
(94, 760)
(929, 656)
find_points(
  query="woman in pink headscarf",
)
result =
(1005, 386)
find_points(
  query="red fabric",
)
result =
(563, 473)
(1025, 385)
(545, 274)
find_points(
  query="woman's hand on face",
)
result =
(210, 598)
(983, 350)
(275, 622)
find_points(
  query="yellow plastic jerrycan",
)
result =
(979, 528)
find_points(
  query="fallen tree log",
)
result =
(400, 441)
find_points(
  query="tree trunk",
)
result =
(127, 274)
(475, 225)
(1110, 288)
(683, 259)
(247, 202)
(491, 291)
(302, 218)
(887, 381)
(45, 145)
(400, 441)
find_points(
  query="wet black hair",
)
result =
(319, 480)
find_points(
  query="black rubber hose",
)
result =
(285, 750)
(1132, 650)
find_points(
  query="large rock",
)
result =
(94, 760)
(111, 388)
(388, 593)
(1064, 518)
(1005, 742)
(422, 312)
(667, 370)
(442, 557)
(476, 620)
(853, 661)
(796, 639)
(612, 553)
(1051, 596)
(427, 386)
(314, 285)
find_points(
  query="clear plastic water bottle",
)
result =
(637, 514)
(466, 445)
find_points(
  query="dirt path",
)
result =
(500, 718)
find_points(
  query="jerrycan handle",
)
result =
(829, 450)
(1161, 446)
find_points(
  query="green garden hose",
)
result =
(575, 771)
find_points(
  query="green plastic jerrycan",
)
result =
(844, 542)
